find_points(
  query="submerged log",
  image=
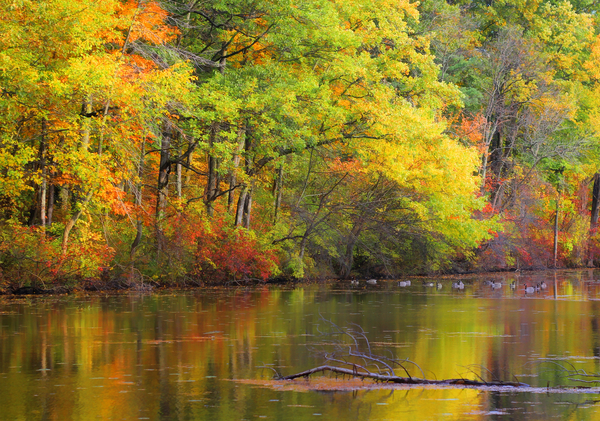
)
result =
(397, 379)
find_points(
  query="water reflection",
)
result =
(172, 356)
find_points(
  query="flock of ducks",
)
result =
(459, 285)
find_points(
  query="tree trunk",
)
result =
(44, 183)
(213, 181)
(277, 192)
(51, 191)
(138, 202)
(236, 164)
(179, 181)
(212, 185)
(239, 215)
(556, 228)
(594, 216)
(86, 109)
(244, 207)
(489, 137)
(248, 207)
(162, 188)
(190, 162)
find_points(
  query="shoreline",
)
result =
(121, 285)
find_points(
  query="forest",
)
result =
(193, 142)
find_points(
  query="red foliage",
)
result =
(32, 256)
(226, 253)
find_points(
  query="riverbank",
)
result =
(120, 284)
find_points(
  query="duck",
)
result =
(513, 285)
(458, 285)
(543, 285)
(496, 285)
(354, 282)
(438, 285)
(529, 290)
(403, 283)
(372, 282)
(428, 284)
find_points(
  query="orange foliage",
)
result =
(351, 165)
(149, 22)
(472, 129)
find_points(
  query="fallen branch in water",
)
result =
(350, 353)
(398, 379)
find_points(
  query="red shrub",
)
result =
(226, 253)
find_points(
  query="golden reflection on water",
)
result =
(168, 356)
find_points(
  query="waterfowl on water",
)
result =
(354, 282)
(496, 285)
(543, 285)
(404, 283)
(372, 282)
(438, 285)
(458, 285)
(529, 290)
(428, 284)
(513, 285)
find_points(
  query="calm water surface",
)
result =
(177, 356)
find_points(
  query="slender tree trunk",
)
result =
(179, 180)
(138, 202)
(213, 180)
(277, 192)
(239, 215)
(248, 207)
(594, 216)
(556, 228)
(232, 181)
(190, 162)
(484, 169)
(162, 188)
(86, 109)
(244, 206)
(489, 137)
(51, 192)
(302, 248)
(44, 184)
(236, 164)
(212, 186)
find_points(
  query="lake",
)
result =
(211, 354)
